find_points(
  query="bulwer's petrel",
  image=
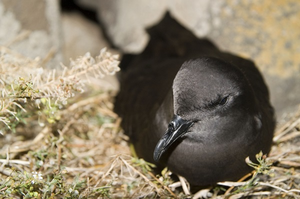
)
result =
(189, 106)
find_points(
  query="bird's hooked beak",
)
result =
(176, 129)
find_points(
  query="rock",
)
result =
(32, 28)
(266, 32)
(125, 21)
(80, 36)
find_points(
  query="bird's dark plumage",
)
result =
(191, 107)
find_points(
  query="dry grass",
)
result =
(54, 149)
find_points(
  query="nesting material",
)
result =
(60, 138)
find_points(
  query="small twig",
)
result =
(27, 145)
(22, 162)
(290, 163)
(241, 195)
(231, 184)
(279, 188)
(240, 180)
(204, 193)
(65, 129)
(140, 174)
(85, 102)
(184, 184)
(49, 56)
(6, 171)
(261, 193)
(175, 185)
(41, 135)
(19, 37)
(3, 169)
(112, 166)
(160, 182)
(289, 136)
(287, 129)
(236, 184)
(58, 156)
(7, 158)
(117, 125)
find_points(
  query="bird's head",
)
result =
(207, 92)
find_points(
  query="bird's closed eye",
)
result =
(218, 102)
(223, 100)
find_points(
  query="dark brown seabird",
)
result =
(189, 106)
